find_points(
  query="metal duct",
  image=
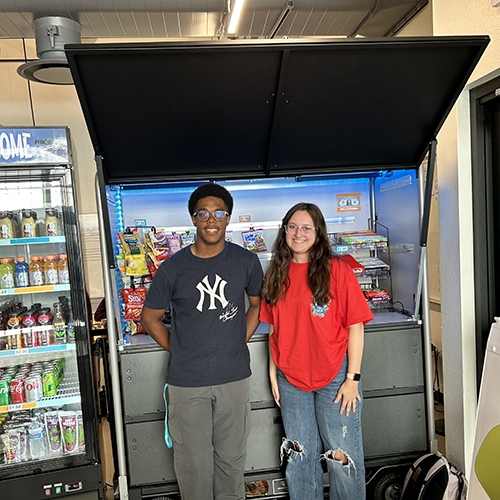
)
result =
(52, 33)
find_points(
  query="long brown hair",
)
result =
(320, 255)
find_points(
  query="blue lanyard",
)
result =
(168, 440)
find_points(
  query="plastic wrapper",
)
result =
(69, 431)
(187, 238)
(53, 430)
(254, 241)
(133, 300)
(131, 243)
(81, 433)
(174, 242)
(159, 245)
(230, 236)
(136, 265)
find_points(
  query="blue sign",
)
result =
(33, 146)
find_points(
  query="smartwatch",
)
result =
(354, 376)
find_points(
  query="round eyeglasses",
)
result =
(204, 215)
(294, 229)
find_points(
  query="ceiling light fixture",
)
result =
(235, 16)
(52, 33)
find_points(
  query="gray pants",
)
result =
(209, 427)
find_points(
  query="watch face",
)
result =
(357, 376)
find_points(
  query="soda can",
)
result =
(16, 389)
(33, 387)
(4, 391)
(49, 383)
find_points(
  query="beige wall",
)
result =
(460, 17)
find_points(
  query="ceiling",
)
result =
(207, 18)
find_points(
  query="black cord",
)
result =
(400, 310)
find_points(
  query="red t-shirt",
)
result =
(309, 343)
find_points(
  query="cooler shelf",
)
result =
(33, 241)
(37, 350)
(34, 289)
(68, 393)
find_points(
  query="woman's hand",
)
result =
(273, 376)
(348, 393)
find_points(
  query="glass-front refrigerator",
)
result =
(48, 424)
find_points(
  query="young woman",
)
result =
(316, 313)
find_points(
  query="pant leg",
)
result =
(231, 427)
(302, 446)
(190, 427)
(339, 432)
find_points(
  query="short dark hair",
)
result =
(210, 189)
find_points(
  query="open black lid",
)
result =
(254, 108)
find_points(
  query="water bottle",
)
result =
(37, 442)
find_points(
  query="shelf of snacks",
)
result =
(35, 289)
(33, 241)
(367, 267)
(354, 241)
(377, 298)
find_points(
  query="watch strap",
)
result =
(354, 376)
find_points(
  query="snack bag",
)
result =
(159, 245)
(229, 236)
(69, 425)
(131, 243)
(188, 238)
(134, 302)
(174, 242)
(53, 429)
(254, 241)
(136, 265)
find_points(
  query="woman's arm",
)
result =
(273, 371)
(348, 391)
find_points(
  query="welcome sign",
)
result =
(36, 145)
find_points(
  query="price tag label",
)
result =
(20, 352)
(4, 291)
(342, 248)
(16, 407)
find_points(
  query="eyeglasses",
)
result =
(294, 229)
(204, 215)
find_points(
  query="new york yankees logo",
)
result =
(204, 287)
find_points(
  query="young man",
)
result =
(209, 365)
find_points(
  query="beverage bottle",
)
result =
(71, 329)
(6, 275)
(36, 440)
(52, 226)
(6, 226)
(28, 223)
(36, 271)
(14, 217)
(60, 327)
(62, 269)
(50, 270)
(12, 263)
(21, 273)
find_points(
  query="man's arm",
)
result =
(253, 316)
(151, 321)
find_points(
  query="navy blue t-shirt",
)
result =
(207, 300)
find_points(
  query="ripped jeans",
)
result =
(315, 430)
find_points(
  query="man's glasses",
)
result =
(294, 229)
(204, 215)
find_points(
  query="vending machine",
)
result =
(49, 444)
(345, 124)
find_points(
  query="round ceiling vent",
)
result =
(52, 33)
